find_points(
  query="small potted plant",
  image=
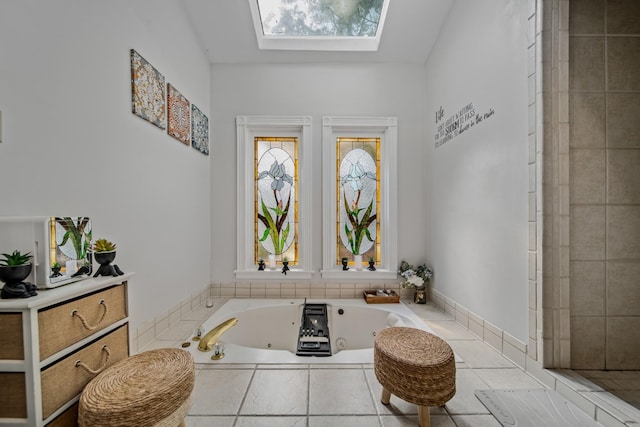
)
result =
(104, 253)
(285, 265)
(14, 268)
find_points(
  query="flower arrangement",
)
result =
(415, 278)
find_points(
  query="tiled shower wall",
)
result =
(552, 183)
(604, 105)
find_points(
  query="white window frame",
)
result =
(247, 128)
(385, 128)
(317, 43)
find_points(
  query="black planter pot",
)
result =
(104, 258)
(13, 277)
(13, 274)
(106, 269)
(55, 272)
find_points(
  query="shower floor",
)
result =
(623, 384)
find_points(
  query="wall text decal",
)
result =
(460, 122)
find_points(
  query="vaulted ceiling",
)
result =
(225, 29)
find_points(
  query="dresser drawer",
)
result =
(66, 378)
(11, 342)
(13, 395)
(68, 418)
(66, 324)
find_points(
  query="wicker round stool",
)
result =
(153, 388)
(416, 366)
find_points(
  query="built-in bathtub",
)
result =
(267, 330)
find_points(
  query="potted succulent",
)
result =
(285, 265)
(14, 268)
(104, 253)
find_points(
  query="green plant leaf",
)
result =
(267, 215)
(265, 235)
(285, 234)
(368, 234)
(273, 233)
(65, 238)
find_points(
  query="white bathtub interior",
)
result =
(267, 330)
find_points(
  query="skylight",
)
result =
(338, 25)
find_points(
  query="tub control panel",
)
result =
(313, 339)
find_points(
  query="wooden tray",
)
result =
(371, 298)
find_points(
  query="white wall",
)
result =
(71, 145)
(477, 209)
(318, 90)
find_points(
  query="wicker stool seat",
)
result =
(416, 366)
(153, 388)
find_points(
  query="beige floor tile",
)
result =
(465, 402)
(476, 421)
(477, 354)
(412, 421)
(335, 366)
(344, 421)
(279, 366)
(396, 406)
(429, 312)
(205, 421)
(339, 391)
(507, 379)
(212, 366)
(294, 421)
(450, 330)
(219, 391)
(277, 392)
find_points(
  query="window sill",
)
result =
(352, 274)
(273, 275)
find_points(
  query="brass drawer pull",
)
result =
(75, 313)
(82, 365)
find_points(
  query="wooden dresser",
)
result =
(53, 344)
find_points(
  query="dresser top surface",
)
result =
(52, 296)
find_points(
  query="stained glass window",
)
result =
(358, 196)
(276, 198)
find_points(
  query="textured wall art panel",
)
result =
(147, 91)
(199, 130)
(179, 115)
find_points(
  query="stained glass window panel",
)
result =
(358, 198)
(276, 198)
